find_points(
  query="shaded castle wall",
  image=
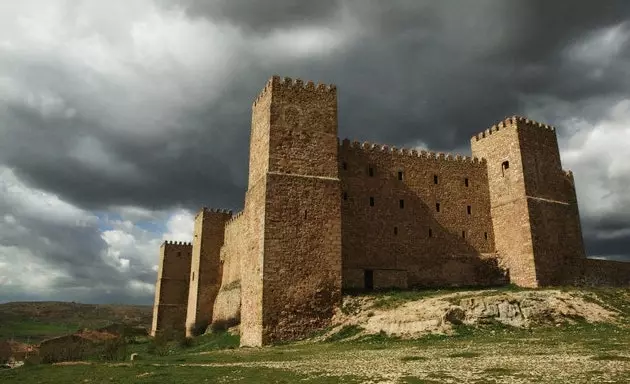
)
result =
(171, 288)
(228, 302)
(403, 238)
(291, 277)
(205, 269)
(252, 266)
(601, 273)
(534, 209)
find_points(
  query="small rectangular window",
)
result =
(371, 171)
(430, 232)
(401, 204)
(345, 195)
(344, 165)
(435, 179)
(400, 175)
(466, 181)
(305, 214)
(371, 201)
(468, 209)
(485, 235)
(437, 207)
(395, 230)
(193, 276)
(464, 234)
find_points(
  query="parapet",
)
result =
(234, 218)
(177, 243)
(512, 121)
(287, 83)
(367, 146)
(206, 211)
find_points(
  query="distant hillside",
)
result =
(35, 321)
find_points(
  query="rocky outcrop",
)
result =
(439, 314)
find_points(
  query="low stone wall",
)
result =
(594, 272)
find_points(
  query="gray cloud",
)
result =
(149, 106)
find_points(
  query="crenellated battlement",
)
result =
(178, 243)
(287, 83)
(234, 218)
(512, 121)
(367, 146)
(206, 211)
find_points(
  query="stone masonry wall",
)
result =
(302, 266)
(552, 204)
(500, 147)
(392, 225)
(601, 273)
(171, 289)
(228, 302)
(205, 273)
(252, 266)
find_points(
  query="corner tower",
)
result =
(291, 276)
(171, 289)
(533, 202)
(205, 265)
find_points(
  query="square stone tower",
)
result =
(171, 288)
(533, 202)
(291, 276)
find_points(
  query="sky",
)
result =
(120, 119)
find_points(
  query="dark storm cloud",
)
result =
(260, 16)
(175, 131)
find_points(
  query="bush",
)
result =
(159, 344)
(199, 328)
(115, 349)
(223, 324)
(186, 342)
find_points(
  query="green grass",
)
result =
(35, 330)
(150, 374)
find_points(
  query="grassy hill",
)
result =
(583, 338)
(35, 321)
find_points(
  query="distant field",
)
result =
(490, 354)
(35, 321)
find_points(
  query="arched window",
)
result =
(504, 166)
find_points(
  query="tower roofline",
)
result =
(512, 121)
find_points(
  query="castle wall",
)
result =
(252, 266)
(205, 268)
(228, 302)
(171, 290)
(534, 207)
(602, 273)
(403, 233)
(509, 208)
(302, 265)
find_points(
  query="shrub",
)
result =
(199, 328)
(115, 349)
(223, 324)
(186, 342)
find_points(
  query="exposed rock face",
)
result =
(439, 314)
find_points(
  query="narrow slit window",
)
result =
(371, 201)
(305, 214)
(395, 230)
(463, 234)
(400, 175)
(466, 181)
(371, 171)
(469, 209)
(193, 276)
(430, 232)
(505, 166)
(401, 204)
(435, 179)
(485, 235)
(437, 207)
(345, 195)
(344, 165)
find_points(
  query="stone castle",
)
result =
(323, 215)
